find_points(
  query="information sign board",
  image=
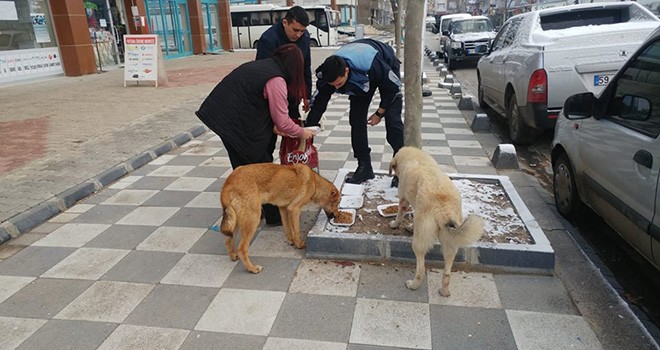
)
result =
(140, 58)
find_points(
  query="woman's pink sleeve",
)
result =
(276, 93)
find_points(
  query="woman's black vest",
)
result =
(237, 111)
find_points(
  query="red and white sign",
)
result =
(140, 58)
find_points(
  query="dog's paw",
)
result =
(256, 269)
(233, 256)
(410, 284)
(444, 292)
(394, 224)
(300, 245)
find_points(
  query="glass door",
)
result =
(211, 26)
(170, 21)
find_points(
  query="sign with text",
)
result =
(141, 58)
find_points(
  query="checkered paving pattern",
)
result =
(136, 266)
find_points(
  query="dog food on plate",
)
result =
(344, 217)
(392, 209)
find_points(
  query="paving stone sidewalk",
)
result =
(136, 266)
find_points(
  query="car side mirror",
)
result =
(579, 106)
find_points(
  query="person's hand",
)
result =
(306, 105)
(373, 120)
(308, 133)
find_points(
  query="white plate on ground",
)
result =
(351, 202)
(381, 210)
(352, 190)
(352, 211)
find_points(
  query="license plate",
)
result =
(601, 80)
(470, 51)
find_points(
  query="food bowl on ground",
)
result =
(390, 210)
(346, 217)
(351, 202)
(352, 190)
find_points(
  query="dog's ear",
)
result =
(334, 194)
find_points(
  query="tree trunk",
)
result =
(412, 130)
(396, 12)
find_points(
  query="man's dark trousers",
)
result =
(358, 114)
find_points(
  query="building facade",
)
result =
(39, 38)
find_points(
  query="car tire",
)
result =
(564, 188)
(520, 133)
(480, 93)
(313, 43)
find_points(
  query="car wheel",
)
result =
(520, 133)
(313, 43)
(480, 93)
(564, 188)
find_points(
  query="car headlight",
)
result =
(456, 45)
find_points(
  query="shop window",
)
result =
(25, 25)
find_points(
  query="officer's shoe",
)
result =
(363, 173)
(395, 181)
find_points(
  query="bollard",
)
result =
(455, 89)
(505, 157)
(448, 82)
(465, 104)
(480, 123)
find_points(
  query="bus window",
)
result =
(277, 16)
(240, 19)
(321, 20)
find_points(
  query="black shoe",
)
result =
(272, 215)
(363, 173)
(273, 223)
(395, 181)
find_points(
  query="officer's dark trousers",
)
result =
(357, 117)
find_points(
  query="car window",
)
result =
(593, 16)
(636, 100)
(506, 35)
(471, 26)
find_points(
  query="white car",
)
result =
(539, 58)
(606, 152)
(444, 27)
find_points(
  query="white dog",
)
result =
(438, 213)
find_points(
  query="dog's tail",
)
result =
(468, 232)
(228, 224)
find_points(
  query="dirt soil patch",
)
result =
(484, 197)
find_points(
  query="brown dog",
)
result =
(438, 212)
(289, 187)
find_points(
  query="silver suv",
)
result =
(539, 58)
(464, 35)
(606, 152)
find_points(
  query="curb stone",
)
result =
(42, 212)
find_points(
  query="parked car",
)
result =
(430, 23)
(540, 58)
(606, 152)
(463, 37)
(443, 27)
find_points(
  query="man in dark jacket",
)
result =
(291, 29)
(357, 69)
